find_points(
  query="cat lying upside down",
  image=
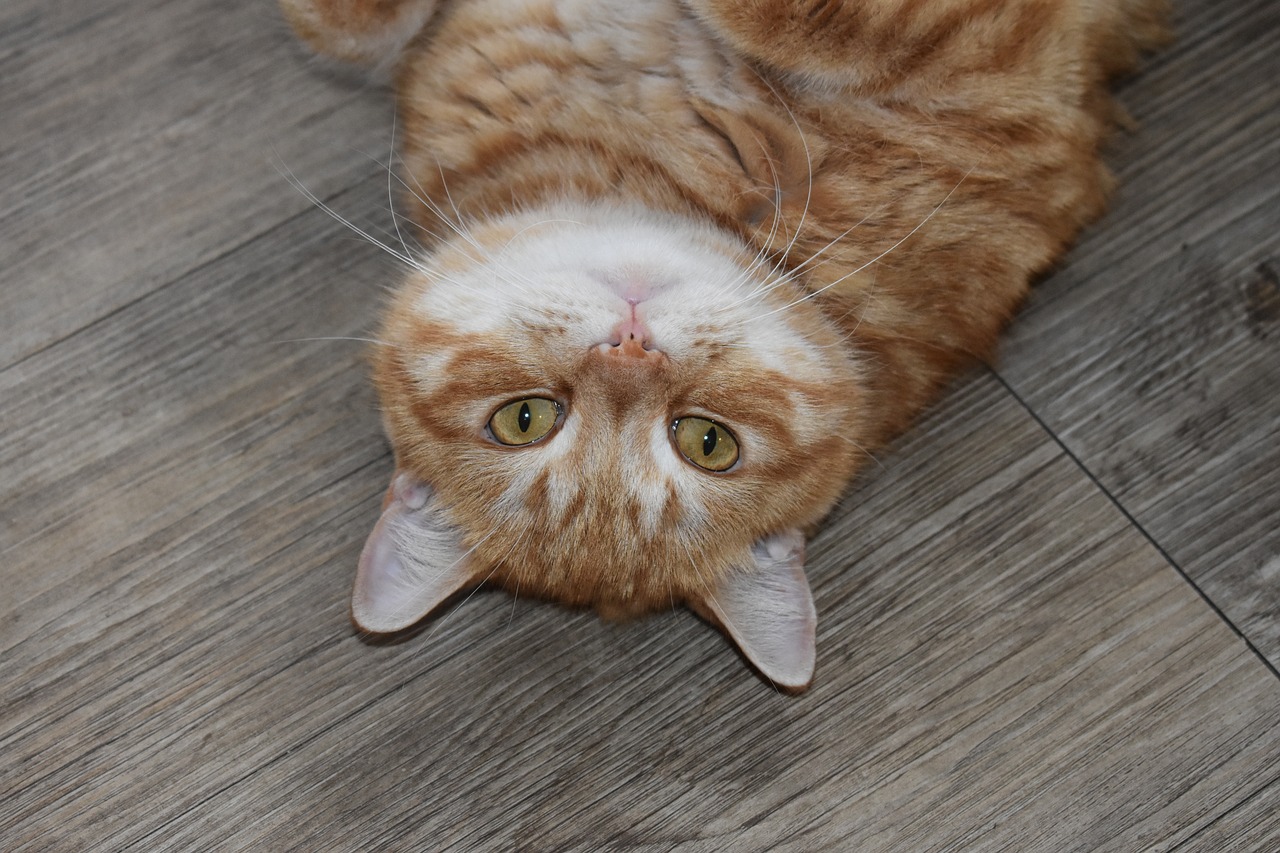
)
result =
(690, 262)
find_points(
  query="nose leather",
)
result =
(631, 347)
(631, 336)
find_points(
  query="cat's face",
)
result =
(603, 408)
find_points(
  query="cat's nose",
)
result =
(632, 337)
(630, 352)
(631, 343)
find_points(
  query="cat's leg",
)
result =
(365, 31)
(1127, 29)
(898, 46)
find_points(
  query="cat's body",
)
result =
(792, 221)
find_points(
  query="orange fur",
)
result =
(908, 164)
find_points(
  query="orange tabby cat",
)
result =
(691, 261)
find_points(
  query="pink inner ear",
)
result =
(413, 560)
(767, 609)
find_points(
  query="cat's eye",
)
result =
(524, 421)
(705, 443)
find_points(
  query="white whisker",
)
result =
(443, 619)
(539, 224)
(288, 174)
(878, 257)
(390, 201)
(334, 338)
(808, 159)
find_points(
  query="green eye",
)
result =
(705, 443)
(524, 421)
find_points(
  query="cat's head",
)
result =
(613, 409)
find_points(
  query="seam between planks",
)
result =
(1134, 522)
(1217, 820)
(187, 273)
(280, 756)
(19, 732)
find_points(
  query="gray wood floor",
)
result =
(1050, 620)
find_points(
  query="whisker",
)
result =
(808, 159)
(878, 257)
(448, 195)
(510, 276)
(443, 619)
(515, 596)
(538, 225)
(390, 201)
(334, 338)
(297, 184)
(761, 254)
(789, 275)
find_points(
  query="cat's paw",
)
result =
(369, 32)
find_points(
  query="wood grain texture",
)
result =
(141, 139)
(1253, 825)
(1005, 660)
(1155, 353)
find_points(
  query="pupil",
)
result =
(709, 442)
(525, 417)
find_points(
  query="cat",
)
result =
(690, 262)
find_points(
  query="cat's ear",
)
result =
(766, 608)
(412, 561)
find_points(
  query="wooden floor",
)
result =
(1049, 621)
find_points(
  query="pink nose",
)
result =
(631, 344)
(632, 337)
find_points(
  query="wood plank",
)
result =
(1253, 825)
(178, 446)
(140, 427)
(1155, 353)
(1016, 669)
(140, 141)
